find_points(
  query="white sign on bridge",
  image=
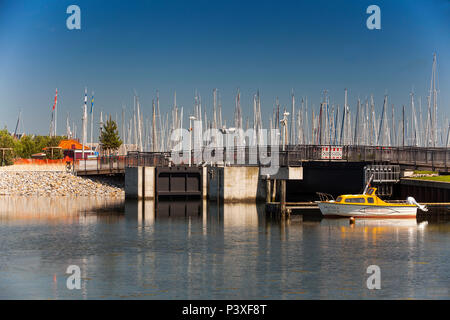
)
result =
(333, 153)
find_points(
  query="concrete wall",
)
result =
(140, 183)
(149, 183)
(288, 173)
(228, 184)
(133, 183)
(215, 183)
(242, 184)
(236, 184)
(422, 190)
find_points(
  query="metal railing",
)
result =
(294, 155)
(155, 159)
(382, 173)
(100, 165)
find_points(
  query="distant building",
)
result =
(74, 149)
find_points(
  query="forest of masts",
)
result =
(298, 124)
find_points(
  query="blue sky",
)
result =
(273, 46)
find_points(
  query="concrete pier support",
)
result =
(148, 174)
(236, 184)
(140, 182)
(227, 184)
(133, 182)
(246, 184)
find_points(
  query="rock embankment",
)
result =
(35, 183)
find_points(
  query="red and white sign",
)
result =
(333, 153)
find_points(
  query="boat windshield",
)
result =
(355, 200)
(339, 199)
(370, 191)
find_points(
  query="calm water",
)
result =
(186, 251)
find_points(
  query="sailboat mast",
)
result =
(84, 118)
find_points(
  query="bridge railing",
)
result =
(105, 164)
(149, 159)
(436, 158)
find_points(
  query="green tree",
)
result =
(109, 137)
(41, 142)
(51, 143)
(25, 147)
(29, 145)
(7, 145)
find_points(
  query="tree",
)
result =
(29, 145)
(26, 146)
(7, 145)
(51, 151)
(109, 137)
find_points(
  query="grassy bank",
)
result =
(436, 178)
(424, 172)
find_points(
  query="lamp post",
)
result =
(284, 123)
(191, 118)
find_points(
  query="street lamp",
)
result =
(191, 118)
(284, 123)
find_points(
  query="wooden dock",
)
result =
(274, 208)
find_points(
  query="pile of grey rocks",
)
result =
(39, 183)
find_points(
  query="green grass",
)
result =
(424, 172)
(437, 178)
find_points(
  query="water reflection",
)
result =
(20, 209)
(200, 250)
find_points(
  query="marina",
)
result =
(225, 154)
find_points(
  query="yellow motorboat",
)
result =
(369, 205)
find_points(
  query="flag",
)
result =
(56, 100)
(92, 104)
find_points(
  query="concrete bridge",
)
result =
(235, 178)
(302, 170)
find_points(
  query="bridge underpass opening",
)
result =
(178, 182)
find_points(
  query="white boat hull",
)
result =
(365, 211)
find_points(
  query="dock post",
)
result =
(274, 190)
(283, 197)
(268, 191)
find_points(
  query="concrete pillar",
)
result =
(242, 184)
(140, 182)
(215, 183)
(133, 182)
(148, 183)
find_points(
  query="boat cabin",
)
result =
(369, 198)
